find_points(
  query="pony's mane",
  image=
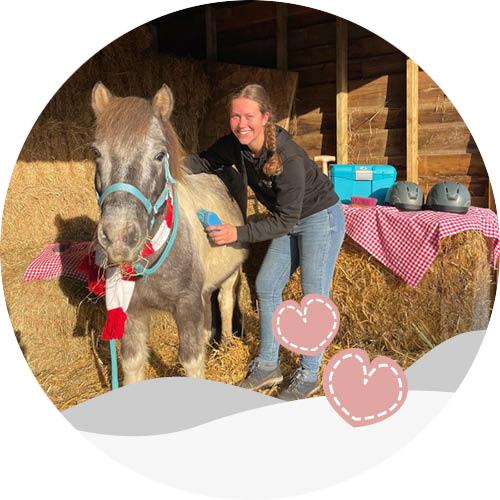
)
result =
(175, 150)
(126, 121)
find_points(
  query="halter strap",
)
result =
(147, 271)
(129, 188)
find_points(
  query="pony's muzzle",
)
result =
(120, 240)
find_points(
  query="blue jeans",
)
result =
(314, 244)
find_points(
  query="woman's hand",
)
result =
(222, 235)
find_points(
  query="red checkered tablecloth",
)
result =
(408, 242)
(59, 259)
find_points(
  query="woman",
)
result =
(306, 226)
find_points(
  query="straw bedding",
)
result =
(51, 198)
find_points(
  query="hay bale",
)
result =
(132, 44)
(47, 202)
(72, 101)
(128, 68)
(57, 141)
(383, 315)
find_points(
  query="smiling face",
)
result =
(247, 123)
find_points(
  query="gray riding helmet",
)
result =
(448, 196)
(405, 196)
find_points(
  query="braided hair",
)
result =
(258, 94)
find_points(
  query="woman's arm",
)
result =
(214, 159)
(290, 188)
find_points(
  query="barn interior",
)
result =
(357, 96)
(342, 91)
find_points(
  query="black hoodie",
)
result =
(299, 191)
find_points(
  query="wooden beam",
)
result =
(491, 198)
(282, 36)
(342, 90)
(232, 17)
(411, 121)
(211, 40)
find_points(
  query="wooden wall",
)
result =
(447, 150)
(247, 34)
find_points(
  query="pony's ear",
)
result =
(101, 97)
(163, 102)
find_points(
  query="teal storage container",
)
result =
(362, 180)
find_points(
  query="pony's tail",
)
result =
(273, 166)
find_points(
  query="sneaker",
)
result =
(299, 387)
(259, 377)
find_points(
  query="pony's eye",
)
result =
(95, 152)
(160, 156)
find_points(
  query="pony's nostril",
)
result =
(132, 235)
(105, 235)
(102, 236)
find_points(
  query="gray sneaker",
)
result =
(299, 387)
(259, 377)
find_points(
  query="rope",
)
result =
(114, 365)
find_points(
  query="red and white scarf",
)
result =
(117, 283)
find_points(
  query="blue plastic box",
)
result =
(362, 180)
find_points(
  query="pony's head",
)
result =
(132, 140)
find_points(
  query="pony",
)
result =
(134, 140)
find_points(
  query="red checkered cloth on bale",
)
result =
(408, 242)
(59, 259)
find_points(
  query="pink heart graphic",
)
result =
(364, 393)
(307, 329)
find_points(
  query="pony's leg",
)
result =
(207, 317)
(134, 348)
(227, 299)
(189, 316)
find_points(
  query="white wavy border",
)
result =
(271, 452)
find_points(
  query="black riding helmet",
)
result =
(449, 196)
(405, 196)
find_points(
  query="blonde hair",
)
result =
(258, 94)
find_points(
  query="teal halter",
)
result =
(150, 208)
(129, 188)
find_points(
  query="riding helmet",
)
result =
(448, 196)
(405, 196)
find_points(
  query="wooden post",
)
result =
(282, 36)
(491, 198)
(211, 41)
(411, 121)
(342, 90)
